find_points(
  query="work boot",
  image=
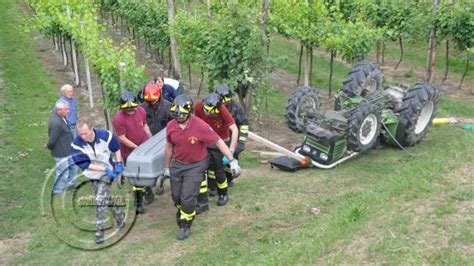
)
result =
(99, 237)
(200, 208)
(139, 202)
(149, 196)
(184, 232)
(223, 199)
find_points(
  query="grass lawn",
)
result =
(387, 206)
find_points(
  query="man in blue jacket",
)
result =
(93, 151)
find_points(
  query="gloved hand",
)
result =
(110, 173)
(235, 168)
(166, 172)
(118, 168)
(225, 160)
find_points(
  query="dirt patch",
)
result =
(13, 247)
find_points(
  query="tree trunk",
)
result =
(465, 72)
(89, 83)
(400, 42)
(200, 84)
(446, 68)
(383, 53)
(310, 82)
(70, 55)
(77, 79)
(209, 13)
(330, 72)
(249, 100)
(56, 47)
(190, 77)
(170, 64)
(299, 64)
(432, 47)
(174, 43)
(378, 53)
(266, 39)
(307, 67)
(63, 49)
(108, 121)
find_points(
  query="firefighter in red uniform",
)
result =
(132, 130)
(241, 120)
(187, 137)
(218, 117)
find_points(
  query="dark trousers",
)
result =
(216, 174)
(185, 183)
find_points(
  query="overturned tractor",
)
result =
(364, 115)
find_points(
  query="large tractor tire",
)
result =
(416, 113)
(303, 99)
(364, 78)
(364, 127)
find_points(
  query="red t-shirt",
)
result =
(190, 143)
(220, 123)
(132, 127)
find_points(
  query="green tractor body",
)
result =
(365, 115)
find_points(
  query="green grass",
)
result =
(28, 95)
(386, 206)
(288, 54)
(415, 54)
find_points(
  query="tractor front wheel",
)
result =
(364, 127)
(302, 101)
(416, 113)
(364, 78)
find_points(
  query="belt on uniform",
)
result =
(184, 162)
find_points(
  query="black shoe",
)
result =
(230, 183)
(140, 210)
(184, 232)
(99, 237)
(200, 208)
(223, 199)
(212, 192)
(149, 196)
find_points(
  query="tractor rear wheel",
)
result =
(364, 127)
(364, 78)
(416, 113)
(301, 101)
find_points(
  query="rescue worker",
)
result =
(186, 153)
(93, 151)
(132, 130)
(157, 108)
(241, 120)
(211, 110)
(167, 91)
(158, 115)
(169, 88)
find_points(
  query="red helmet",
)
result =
(151, 93)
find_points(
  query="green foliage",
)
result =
(148, 18)
(456, 22)
(115, 66)
(228, 47)
(301, 20)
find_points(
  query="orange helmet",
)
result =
(152, 93)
